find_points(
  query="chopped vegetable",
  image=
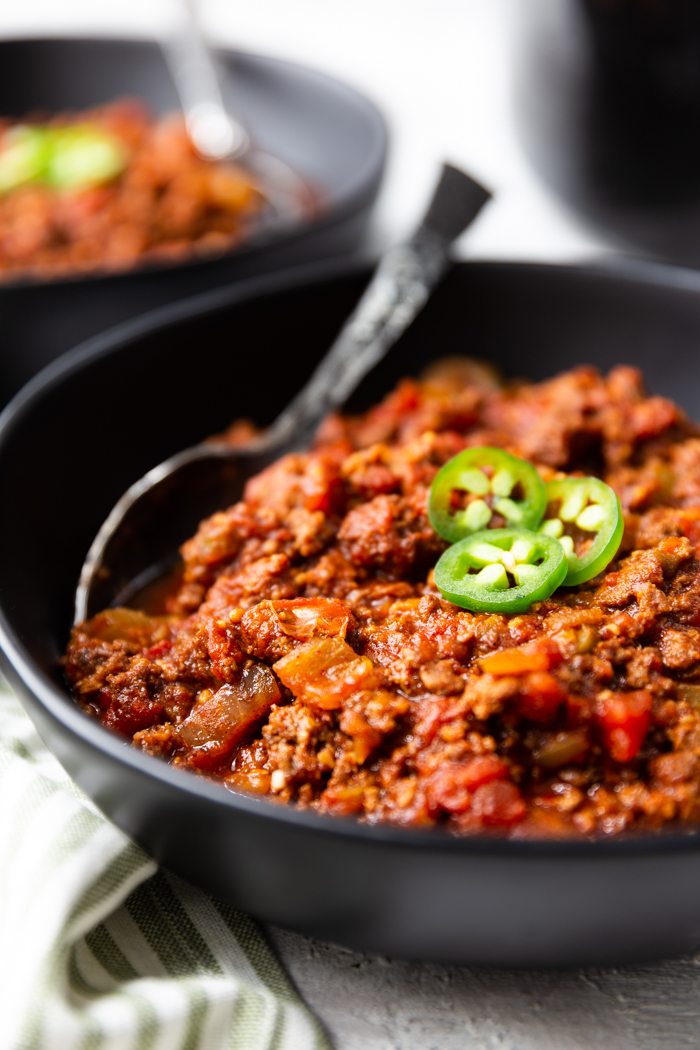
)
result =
(515, 662)
(24, 156)
(71, 157)
(325, 672)
(220, 719)
(588, 506)
(501, 570)
(307, 618)
(129, 625)
(480, 482)
(690, 692)
(83, 155)
(624, 719)
(565, 747)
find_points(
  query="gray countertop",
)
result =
(372, 1003)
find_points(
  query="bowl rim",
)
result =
(59, 705)
(346, 204)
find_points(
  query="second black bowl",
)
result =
(326, 132)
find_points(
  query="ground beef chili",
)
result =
(168, 203)
(308, 656)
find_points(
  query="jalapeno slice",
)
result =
(464, 496)
(83, 155)
(72, 157)
(584, 515)
(501, 570)
(23, 156)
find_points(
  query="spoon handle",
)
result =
(212, 130)
(395, 295)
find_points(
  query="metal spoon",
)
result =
(153, 517)
(215, 132)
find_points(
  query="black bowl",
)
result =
(325, 131)
(94, 421)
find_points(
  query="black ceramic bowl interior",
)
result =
(96, 420)
(326, 132)
(608, 104)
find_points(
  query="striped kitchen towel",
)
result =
(100, 949)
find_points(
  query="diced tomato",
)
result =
(306, 618)
(579, 710)
(374, 480)
(483, 768)
(158, 650)
(224, 651)
(322, 486)
(498, 803)
(624, 720)
(691, 526)
(452, 784)
(431, 712)
(342, 800)
(540, 697)
(325, 672)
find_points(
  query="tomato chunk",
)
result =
(624, 720)
(540, 697)
(498, 803)
(452, 784)
(325, 672)
(307, 618)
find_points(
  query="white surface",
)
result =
(439, 69)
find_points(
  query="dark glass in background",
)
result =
(608, 107)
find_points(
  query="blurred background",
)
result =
(444, 73)
(580, 116)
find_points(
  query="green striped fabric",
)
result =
(100, 950)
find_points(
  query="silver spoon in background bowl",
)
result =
(139, 541)
(217, 134)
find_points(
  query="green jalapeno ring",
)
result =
(464, 473)
(592, 506)
(536, 561)
(83, 155)
(23, 156)
(70, 157)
